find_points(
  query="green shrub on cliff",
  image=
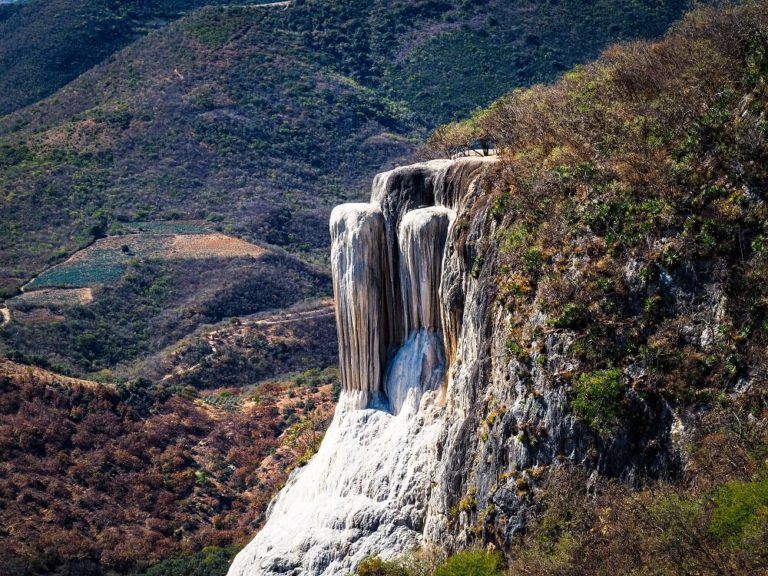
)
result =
(472, 563)
(375, 566)
(625, 210)
(599, 400)
(210, 561)
(429, 562)
(741, 509)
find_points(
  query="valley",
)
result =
(169, 347)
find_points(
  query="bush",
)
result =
(472, 563)
(600, 400)
(375, 566)
(210, 561)
(741, 508)
(429, 562)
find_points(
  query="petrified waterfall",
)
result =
(437, 423)
(419, 364)
(357, 232)
(370, 487)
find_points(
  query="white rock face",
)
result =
(358, 266)
(371, 488)
(364, 492)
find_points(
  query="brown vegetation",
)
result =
(122, 477)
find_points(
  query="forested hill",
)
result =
(46, 43)
(260, 118)
(486, 46)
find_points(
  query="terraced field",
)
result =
(106, 260)
(54, 297)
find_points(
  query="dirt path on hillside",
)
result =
(318, 309)
(284, 4)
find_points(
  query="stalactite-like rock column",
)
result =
(396, 193)
(422, 235)
(358, 267)
(419, 364)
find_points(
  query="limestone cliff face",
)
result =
(434, 408)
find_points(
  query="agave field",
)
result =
(105, 260)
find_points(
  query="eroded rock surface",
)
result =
(434, 409)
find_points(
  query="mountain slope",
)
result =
(259, 105)
(229, 131)
(44, 44)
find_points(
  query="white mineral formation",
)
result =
(370, 487)
(422, 234)
(358, 266)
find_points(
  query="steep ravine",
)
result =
(438, 423)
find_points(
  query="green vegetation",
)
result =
(740, 510)
(494, 46)
(429, 562)
(657, 201)
(599, 400)
(472, 563)
(102, 266)
(163, 227)
(46, 43)
(210, 561)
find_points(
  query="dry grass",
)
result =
(20, 373)
(212, 246)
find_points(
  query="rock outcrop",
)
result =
(434, 410)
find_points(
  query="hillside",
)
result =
(44, 44)
(256, 106)
(99, 479)
(189, 133)
(607, 409)
(153, 305)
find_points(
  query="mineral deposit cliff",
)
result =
(434, 412)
